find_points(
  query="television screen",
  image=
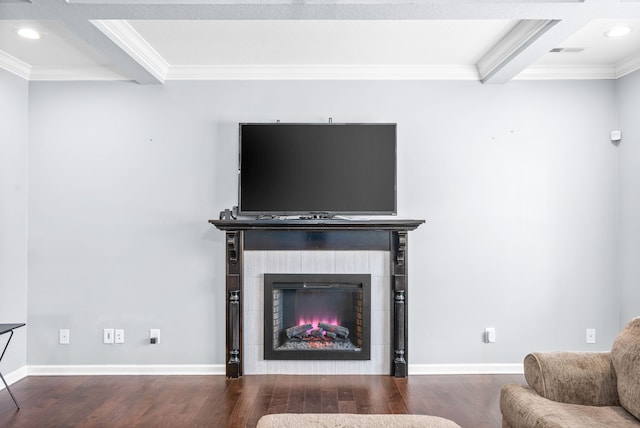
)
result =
(327, 169)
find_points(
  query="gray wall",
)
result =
(14, 132)
(518, 184)
(628, 95)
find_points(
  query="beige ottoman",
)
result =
(345, 420)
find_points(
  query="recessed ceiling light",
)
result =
(617, 32)
(29, 33)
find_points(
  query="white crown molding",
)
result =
(460, 369)
(323, 72)
(14, 65)
(129, 40)
(126, 369)
(628, 66)
(568, 72)
(73, 74)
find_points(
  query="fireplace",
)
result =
(302, 237)
(317, 316)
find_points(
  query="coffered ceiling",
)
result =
(153, 41)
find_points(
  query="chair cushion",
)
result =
(521, 406)
(625, 355)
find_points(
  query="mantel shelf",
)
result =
(318, 224)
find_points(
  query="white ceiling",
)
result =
(152, 41)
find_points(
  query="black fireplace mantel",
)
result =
(317, 224)
(316, 234)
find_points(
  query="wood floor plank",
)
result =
(280, 397)
(296, 395)
(395, 398)
(312, 396)
(361, 399)
(328, 394)
(214, 401)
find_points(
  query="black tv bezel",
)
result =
(328, 214)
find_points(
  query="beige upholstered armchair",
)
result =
(578, 389)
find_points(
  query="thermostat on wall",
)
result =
(616, 135)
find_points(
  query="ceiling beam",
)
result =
(531, 40)
(121, 33)
(296, 9)
(512, 45)
(318, 9)
(124, 61)
(520, 49)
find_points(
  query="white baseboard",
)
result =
(14, 376)
(126, 369)
(459, 369)
(219, 369)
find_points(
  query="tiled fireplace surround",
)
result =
(257, 263)
(256, 247)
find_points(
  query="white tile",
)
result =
(283, 262)
(319, 261)
(254, 263)
(379, 261)
(253, 361)
(352, 262)
(253, 325)
(380, 293)
(253, 294)
(352, 367)
(380, 328)
(381, 362)
(285, 367)
(315, 367)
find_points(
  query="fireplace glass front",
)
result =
(317, 316)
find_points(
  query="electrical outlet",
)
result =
(591, 335)
(64, 336)
(108, 335)
(490, 335)
(154, 335)
(119, 336)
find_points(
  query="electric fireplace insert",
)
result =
(317, 316)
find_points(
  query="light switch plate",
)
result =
(107, 335)
(64, 336)
(490, 334)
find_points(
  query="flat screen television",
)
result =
(317, 169)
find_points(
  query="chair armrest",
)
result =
(585, 378)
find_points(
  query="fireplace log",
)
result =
(337, 329)
(297, 330)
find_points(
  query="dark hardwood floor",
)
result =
(214, 401)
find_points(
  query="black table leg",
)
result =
(2, 377)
